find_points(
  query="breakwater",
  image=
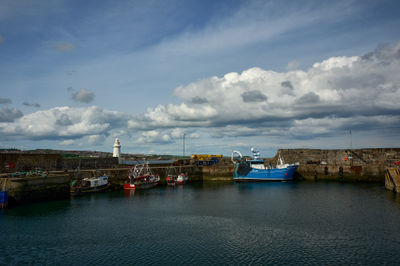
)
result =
(12, 162)
(355, 165)
(361, 165)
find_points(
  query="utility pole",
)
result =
(351, 141)
(351, 149)
(184, 145)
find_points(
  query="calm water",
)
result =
(237, 223)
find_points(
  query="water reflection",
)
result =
(129, 193)
(39, 209)
(392, 196)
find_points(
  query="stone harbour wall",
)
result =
(10, 162)
(349, 165)
(361, 165)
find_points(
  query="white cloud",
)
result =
(154, 136)
(334, 95)
(280, 103)
(166, 135)
(96, 139)
(177, 133)
(64, 122)
(83, 95)
(194, 136)
(68, 142)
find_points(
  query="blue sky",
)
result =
(227, 74)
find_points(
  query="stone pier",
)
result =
(56, 184)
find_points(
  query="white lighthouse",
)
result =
(117, 150)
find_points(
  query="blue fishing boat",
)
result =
(256, 170)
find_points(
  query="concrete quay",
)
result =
(56, 184)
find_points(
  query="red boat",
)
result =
(171, 177)
(141, 177)
(171, 180)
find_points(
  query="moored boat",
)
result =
(171, 180)
(182, 178)
(89, 185)
(255, 168)
(171, 177)
(141, 177)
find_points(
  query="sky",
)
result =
(220, 75)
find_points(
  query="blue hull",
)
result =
(3, 199)
(275, 174)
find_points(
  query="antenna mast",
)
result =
(183, 144)
(351, 141)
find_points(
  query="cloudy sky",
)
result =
(227, 74)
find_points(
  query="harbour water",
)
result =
(207, 224)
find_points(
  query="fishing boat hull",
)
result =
(89, 185)
(255, 169)
(274, 174)
(129, 186)
(140, 186)
(85, 190)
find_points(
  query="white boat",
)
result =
(182, 178)
(90, 184)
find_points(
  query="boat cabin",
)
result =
(95, 181)
(257, 164)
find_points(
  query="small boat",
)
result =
(171, 177)
(171, 180)
(182, 178)
(89, 185)
(255, 169)
(141, 177)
